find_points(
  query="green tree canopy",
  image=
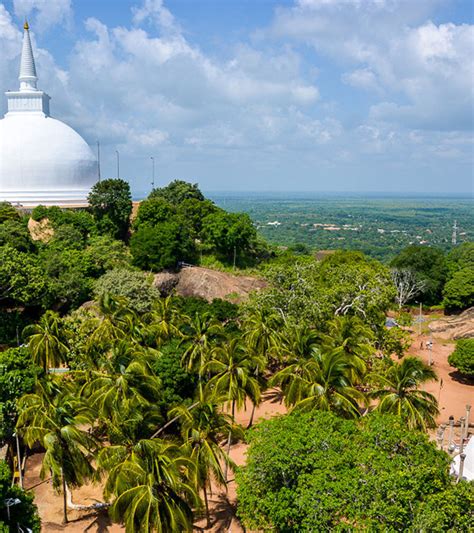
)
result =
(459, 290)
(8, 212)
(463, 357)
(22, 279)
(24, 514)
(177, 191)
(135, 286)
(111, 204)
(430, 266)
(15, 233)
(316, 472)
(162, 246)
(154, 211)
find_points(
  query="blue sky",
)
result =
(300, 95)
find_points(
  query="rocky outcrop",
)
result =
(40, 231)
(208, 284)
(455, 327)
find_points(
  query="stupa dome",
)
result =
(42, 160)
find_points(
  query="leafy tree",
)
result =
(447, 510)
(152, 486)
(463, 357)
(15, 233)
(18, 375)
(8, 212)
(135, 286)
(194, 211)
(68, 281)
(178, 191)
(162, 246)
(104, 253)
(58, 421)
(460, 257)
(230, 235)
(316, 472)
(21, 277)
(110, 202)
(429, 264)
(22, 515)
(154, 211)
(345, 283)
(459, 290)
(401, 394)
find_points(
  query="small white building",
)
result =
(42, 160)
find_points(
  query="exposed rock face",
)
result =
(208, 284)
(40, 231)
(455, 327)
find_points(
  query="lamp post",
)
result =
(98, 160)
(152, 173)
(468, 412)
(18, 456)
(451, 434)
(118, 163)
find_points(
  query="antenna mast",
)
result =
(455, 232)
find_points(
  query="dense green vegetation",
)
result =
(317, 472)
(378, 226)
(463, 357)
(149, 387)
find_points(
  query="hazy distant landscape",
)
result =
(378, 225)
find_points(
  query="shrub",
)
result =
(463, 357)
(135, 286)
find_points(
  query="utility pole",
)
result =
(118, 163)
(455, 233)
(98, 160)
(152, 173)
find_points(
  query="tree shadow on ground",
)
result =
(222, 513)
(461, 378)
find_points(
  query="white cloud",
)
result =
(394, 51)
(256, 113)
(47, 12)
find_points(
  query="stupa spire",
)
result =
(28, 77)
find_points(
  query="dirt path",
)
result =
(452, 392)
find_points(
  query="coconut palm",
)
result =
(233, 377)
(261, 331)
(203, 330)
(162, 322)
(203, 427)
(46, 341)
(400, 393)
(125, 383)
(321, 381)
(152, 484)
(57, 420)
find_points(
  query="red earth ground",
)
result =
(453, 394)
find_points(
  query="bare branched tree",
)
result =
(408, 285)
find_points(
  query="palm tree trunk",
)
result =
(208, 518)
(229, 442)
(251, 416)
(63, 479)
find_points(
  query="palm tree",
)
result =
(124, 384)
(56, 419)
(153, 486)
(46, 341)
(261, 331)
(203, 331)
(162, 321)
(203, 427)
(233, 377)
(353, 337)
(322, 381)
(400, 394)
(298, 340)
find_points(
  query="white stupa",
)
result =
(42, 160)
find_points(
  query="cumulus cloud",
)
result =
(258, 114)
(47, 12)
(394, 50)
